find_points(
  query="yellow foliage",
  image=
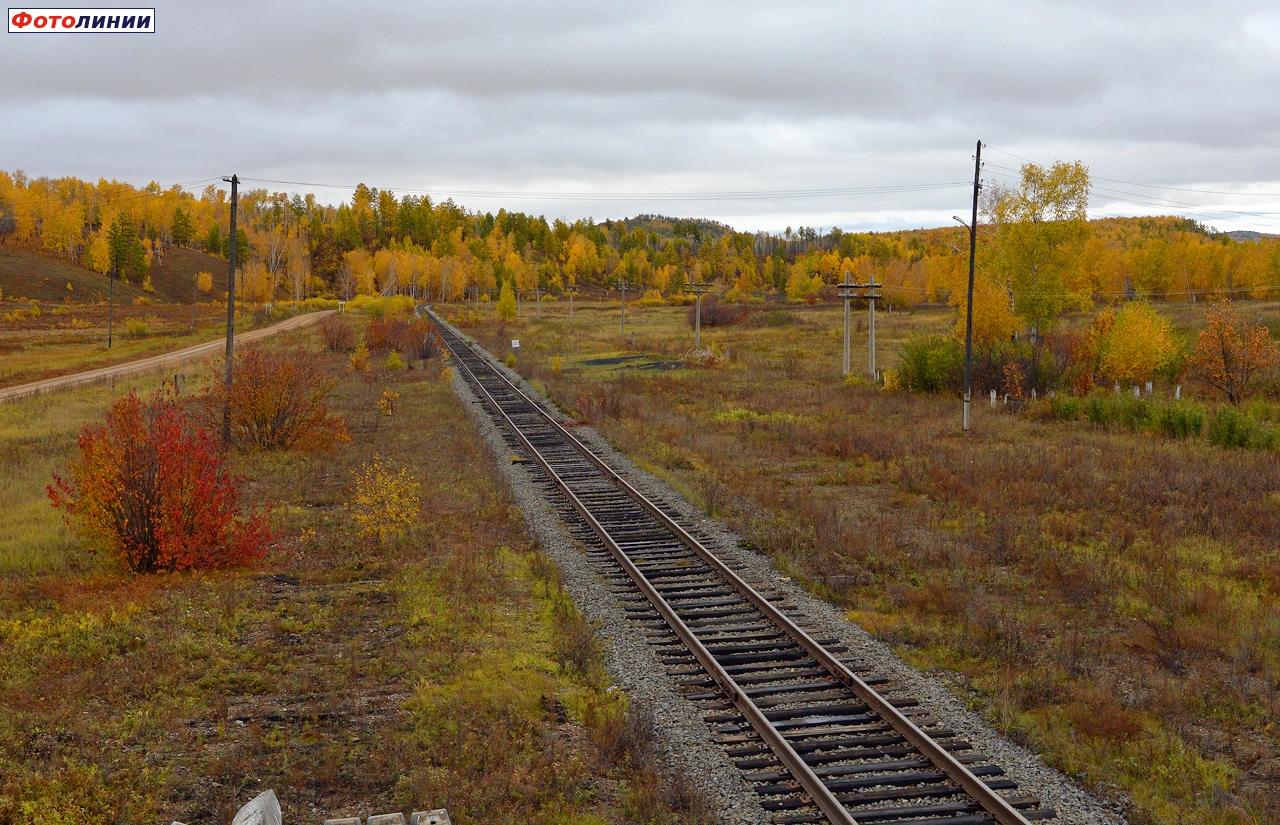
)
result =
(386, 502)
(387, 403)
(1139, 342)
(507, 302)
(993, 317)
(359, 358)
(204, 282)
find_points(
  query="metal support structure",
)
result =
(231, 312)
(698, 288)
(869, 292)
(968, 319)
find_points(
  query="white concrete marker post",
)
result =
(263, 809)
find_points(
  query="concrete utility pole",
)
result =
(968, 319)
(871, 328)
(698, 288)
(231, 311)
(847, 295)
(622, 287)
(851, 292)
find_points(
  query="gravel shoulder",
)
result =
(684, 739)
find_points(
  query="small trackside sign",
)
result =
(26, 20)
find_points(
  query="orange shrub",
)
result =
(1231, 352)
(151, 488)
(278, 401)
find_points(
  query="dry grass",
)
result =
(1112, 598)
(351, 677)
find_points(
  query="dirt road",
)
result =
(155, 362)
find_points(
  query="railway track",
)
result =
(819, 737)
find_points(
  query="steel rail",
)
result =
(991, 801)
(813, 785)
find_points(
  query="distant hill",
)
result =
(27, 273)
(1250, 235)
(665, 227)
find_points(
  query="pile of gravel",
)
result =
(683, 740)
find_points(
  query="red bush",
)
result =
(278, 401)
(716, 314)
(338, 334)
(150, 487)
(414, 339)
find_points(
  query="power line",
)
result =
(725, 195)
(1148, 185)
(1139, 199)
(147, 194)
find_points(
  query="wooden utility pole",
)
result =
(968, 319)
(111, 294)
(231, 312)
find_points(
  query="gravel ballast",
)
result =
(683, 740)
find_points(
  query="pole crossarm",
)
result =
(848, 290)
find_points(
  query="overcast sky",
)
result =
(599, 102)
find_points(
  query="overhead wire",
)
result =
(718, 195)
(1140, 199)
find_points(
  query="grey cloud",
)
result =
(673, 97)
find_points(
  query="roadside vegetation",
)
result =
(395, 642)
(1106, 594)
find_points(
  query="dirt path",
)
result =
(154, 362)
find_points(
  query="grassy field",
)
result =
(447, 669)
(1108, 598)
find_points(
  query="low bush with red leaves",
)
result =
(278, 401)
(716, 314)
(338, 334)
(151, 488)
(414, 339)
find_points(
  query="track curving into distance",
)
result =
(819, 738)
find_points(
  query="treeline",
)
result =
(1037, 258)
